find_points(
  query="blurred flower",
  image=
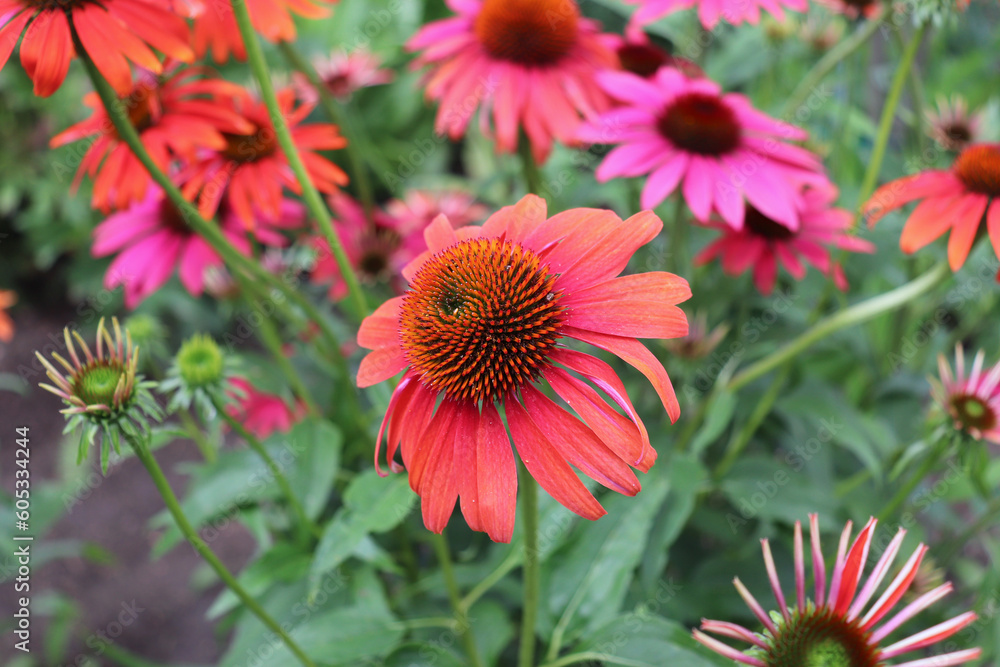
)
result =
(763, 242)
(262, 414)
(821, 34)
(215, 26)
(953, 199)
(952, 126)
(672, 128)
(974, 401)
(854, 8)
(343, 73)
(175, 115)
(480, 324)
(831, 629)
(530, 63)
(699, 341)
(148, 335)
(378, 250)
(710, 11)
(199, 375)
(7, 299)
(110, 32)
(104, 392)
(778, 31)
(418, 208)
(638, 55)
(151, 239)
(251, 170)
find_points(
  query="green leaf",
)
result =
(687, 477)
(643, 639)
(719, 417)
(372, 504)
(315, 444)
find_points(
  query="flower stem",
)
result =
(304, 524)
(826, 64)
(531, 567)
(529, 168)
(194, 432)
(763, 408)
(904, 492)
(359, 172)
(255, 57)
(860, 312)
(190, 214)
(508, 564)
(464, 629)
(144, 455)
(888, 113)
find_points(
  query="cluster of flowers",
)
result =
(485, 307)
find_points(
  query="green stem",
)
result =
(359, 173)
(464, 628)
(529, 168)
(210, 232)
(508, 564)
(594, 656)
(678, 242)
(856, 314)
(763, 408)
(904, 492)
(888, 113)
(532, 567)
(194, 432)
(143, 453)
(987, 519)
(825, 65)
(305, 526)
(313, 201)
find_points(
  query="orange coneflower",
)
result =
(480, 327)
(251, 170)
(7, 299)
(110, 32)
(175, 115)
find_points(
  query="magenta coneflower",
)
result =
(151, 240)
(637, 54)
(481, 326)
(529, 63)
(673, 128)
(763, 243)
(261, 413)
(710, 11)
(833, 629)
(974, 401)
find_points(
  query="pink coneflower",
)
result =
(418, 208)
(345, 72)
(974, 401)
(377, 249)
(529, 63)
(261, 413)
(833, 629)
(954, 199)
(175, 115)
(638, 55)
(854, 8)
(151, 239)
(952, 126)
(479, 326)
(672, 128)
(710, 11)
(250, 172)
(763, 243)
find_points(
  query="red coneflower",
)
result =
(110, 32)
(954, 199)
(175, 115)
(215, 26)
(531, 63)
(252, 170)
(833, 629)
(261, 413)
(480, 325)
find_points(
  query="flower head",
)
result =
(973, 401)
(833, 629)
(481, 325)
(710, 11)
(764, 243)
(952, 126)
(699, 341)
(251, 171)
(262, 414)
(954, 199)
(215, 26)
(7, 299)
(199, 374)
(528, 63)
(109, 31)
(175, 115)
(151, 240)
(345, 72)
(103, 392)
(675, 129)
